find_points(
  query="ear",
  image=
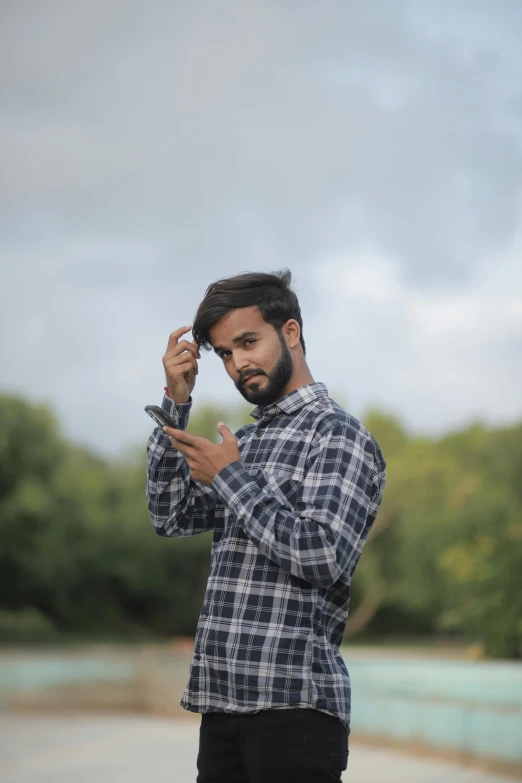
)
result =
(292, 333)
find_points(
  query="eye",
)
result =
(225, 354)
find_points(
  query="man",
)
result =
(290, 500)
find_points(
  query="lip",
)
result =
(251, 377)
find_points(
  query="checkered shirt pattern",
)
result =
(289, 522)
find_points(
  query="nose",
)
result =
(241, 362)
(241, 367)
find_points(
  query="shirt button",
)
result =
(197, 657)
(204, 616)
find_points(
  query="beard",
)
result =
(267, 392)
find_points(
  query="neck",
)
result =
(301, 377)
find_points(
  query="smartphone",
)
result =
(161, 417)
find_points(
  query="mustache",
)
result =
(245, 377)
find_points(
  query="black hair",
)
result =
(270, 292)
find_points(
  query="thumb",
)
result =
(224, 431)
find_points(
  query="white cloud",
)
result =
(438, 358)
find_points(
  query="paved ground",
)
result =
(128, 749)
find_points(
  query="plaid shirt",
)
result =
(289, 524)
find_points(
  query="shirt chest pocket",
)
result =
(281, 484)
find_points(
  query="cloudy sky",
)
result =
(373, 147)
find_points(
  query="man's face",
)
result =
(255, 356)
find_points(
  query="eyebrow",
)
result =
(238, 339)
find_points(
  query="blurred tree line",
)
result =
(79, 558)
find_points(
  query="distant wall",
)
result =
(471, 709)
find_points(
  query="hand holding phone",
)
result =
(181, 366)
(161, 417)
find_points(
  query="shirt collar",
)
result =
(291, 402)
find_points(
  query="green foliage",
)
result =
(482, 572)
(78, 554)
(447, 544)
(26, 627)
(76, 543)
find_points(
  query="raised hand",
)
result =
(181, 366)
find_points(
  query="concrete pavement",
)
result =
(135, 749)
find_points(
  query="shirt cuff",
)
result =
(234, 485)
(179, 412)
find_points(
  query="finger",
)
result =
(182, 358)
(225, 432)
(195, 441)
(183, 449)
(175, 336)
(181, 436)
(186, 361)
(183, 346)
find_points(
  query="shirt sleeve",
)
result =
(324, 534)
(178, 505)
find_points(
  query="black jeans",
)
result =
(272, 746)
